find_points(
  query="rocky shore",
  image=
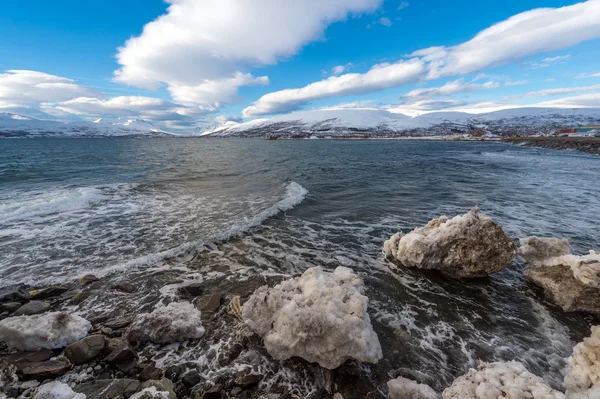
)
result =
(590, 145)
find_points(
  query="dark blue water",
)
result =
(207, 208)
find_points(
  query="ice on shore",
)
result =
(56, 390)
(500, 380)
(150, 393)
(319, 316)
(548, 252)
(582, 374)
(44, 331)
(465, 246)
(176, 322)
(403, 388)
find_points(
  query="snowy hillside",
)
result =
(372, 122)
(14, 125)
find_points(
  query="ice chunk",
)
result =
(582, 375)
(320, 317)
(44, 331)
(403, 388)
(176, 322)
(150, 393)
(56, 390)
(469, 245)
(500, 380)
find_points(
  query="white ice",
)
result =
(582, 374)
(56, 390)
(403, 388)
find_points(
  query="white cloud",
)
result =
(515, 83)
(385, 21)
(198, 46)
(339, 69)
(403, 5)
(588, 75)
(582, 101)
(522, 35)
(378, 77)
(562, 90)
(119, 106)
(546, 62)
(22, 88)
(457, 86)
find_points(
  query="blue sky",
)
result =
(190, 62)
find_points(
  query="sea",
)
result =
(237, 213)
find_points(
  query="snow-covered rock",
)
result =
(319, 316)
(570, 281)
(499, 380)
(56, 390)
(582, 374)
(403, 388)
(176, 322)
(45, 331)
(465, 246)
(150, 393)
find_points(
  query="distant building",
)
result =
(588, 129)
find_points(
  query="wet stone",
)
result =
(173, 372)
(79, 297)
(23, 359)
(246, 379)
(88, 279)
(124, 287)
(120, 351)
(10, 306)
(150, 372)
(129, 367)
(49, 292)
(191, 290)
(85, 349)
(47, 369)
(14, 293)
(192, 378)
(108, 389)
(31, 308)
(117, 323)
(208, 303)
(164, 384)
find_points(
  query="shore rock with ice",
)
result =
(56, 390)
(582, 375)
(319, 316)
(465, 246)
(46, 331)
(176, 322)
(403, 388)
(570, 281)
(500, 380)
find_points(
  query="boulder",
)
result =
(246, 379)
(208, 303)
(176, 322)
(108, 389)
(500, 380)
(85, 349)
(190, 291)
(124, 287)
(10, 306)
(119, 351)
(403, 388)
(49, 292)
(466, 246)
(23, 359)
(47, 369)
(150, 372)
(570, 281)
(14, 293)
(45, 331)
(32, 307)
(191, 378)
(582, 374)
(88, 279)
(56, 390)
(320, 317)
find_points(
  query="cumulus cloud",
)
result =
(121, 106)
(562, 90)
(520, 36)
(457, 86)
(198, 47)
(23, 89)
(378, 77)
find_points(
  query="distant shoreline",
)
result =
(590, 145)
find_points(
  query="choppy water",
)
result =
(234, 209)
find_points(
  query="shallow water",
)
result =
(227, 211)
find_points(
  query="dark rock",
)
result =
(208, 303)
(228, 355)
(236, 391)
(10, 306)
(47, 369)
(246, 379)
(119, 351)
(245, 395)
(117, 323)
(14, 293)
(191, 378)
(173, 372)
(88, 279)
(99, 319)
(129, 367)
(32, 307)
(49, 292)
(11, 392)
(85, 349)
(150, 372)
(108, 389)
(79, 297)
(124, 287)
(191, 290)
(23, 359)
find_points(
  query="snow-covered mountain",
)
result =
(372, 122)
(15, 125)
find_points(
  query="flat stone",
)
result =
(85, 349)
(120, 351)
(88, 279)
(32, 307)
(10, 306)
(49, 292)
(191, 290)
(117, 323)
(208, 303)
(47, 369)
(108, 389)
(14, 293)
(124, 287)
(23, 359)
(150, 372)
(192, 378)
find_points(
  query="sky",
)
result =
(183, 64)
